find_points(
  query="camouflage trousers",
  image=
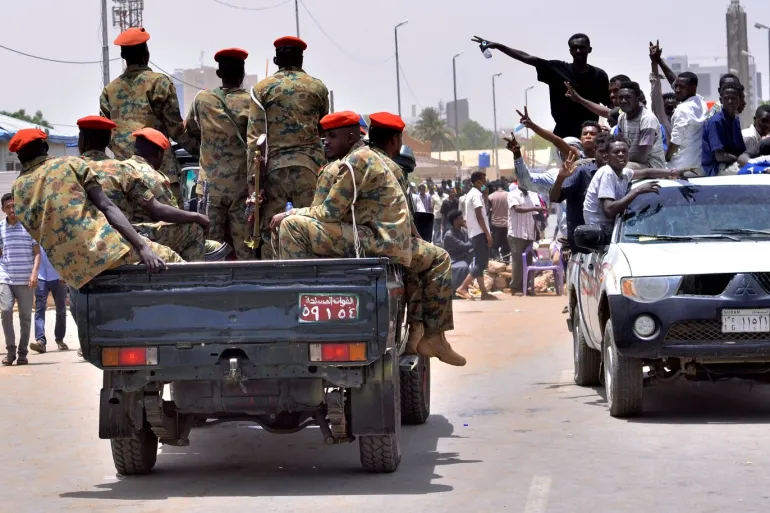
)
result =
(293, 183)
(304, 237)
(132, 257)
(185, 239)
(228, 211)
(176, 190)
(428, 284)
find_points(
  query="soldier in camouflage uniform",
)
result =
(217, 125)
(60, 202)
(128, 187)
(141, 98)
(287, 107)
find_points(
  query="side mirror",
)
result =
(590, 237)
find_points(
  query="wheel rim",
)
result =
(609, 360)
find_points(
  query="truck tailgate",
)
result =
(233, 303)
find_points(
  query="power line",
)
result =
(53, 60)
(406, 81)
(171, 76)
(339, 47)
(220, 2)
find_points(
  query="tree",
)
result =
(21, 114)
(473, 136)
(430, 127)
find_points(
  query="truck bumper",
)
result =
(687, 327)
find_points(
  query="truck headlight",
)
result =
(650, 289)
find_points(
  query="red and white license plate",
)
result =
(328, 307)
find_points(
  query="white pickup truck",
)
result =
(682, 290)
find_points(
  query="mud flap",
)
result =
(121, 414)
(374, 405)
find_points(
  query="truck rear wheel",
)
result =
(588, 361)
(381, 454)
(415, 393)
(135, 456)
(623, 379)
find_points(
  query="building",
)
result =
(189, 82)
(738, 56)
(463, 114)
(708, 80)
(61, 143)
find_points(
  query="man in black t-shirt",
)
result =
(589, 81)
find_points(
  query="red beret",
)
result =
(132, 36)
(339, 120)
(235, 53)
(155, 137)
(25, 136)
(290, 41)
(386, 120)
(96, 123)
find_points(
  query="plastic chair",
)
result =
(558, 271)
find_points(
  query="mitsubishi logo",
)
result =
(744, 289)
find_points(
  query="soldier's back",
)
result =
(113, 175)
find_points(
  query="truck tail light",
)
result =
(333, 352)
(129, 356)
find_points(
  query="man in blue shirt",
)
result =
(723, 144)
(571, 186)
(49, 283)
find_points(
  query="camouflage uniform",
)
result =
(327, 229)
(221, 142)
(127, 184)
(53, 206)
(142, 98)
(293, 103)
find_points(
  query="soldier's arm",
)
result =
(160, 212)
(193, 144)
(104, 104)
(340, 197)
(165, 105)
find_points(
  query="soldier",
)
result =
(127, 187)
(428, 278)
(340, 140)
(216, 125)
(288, 108)
(62, 205)
(141, 98)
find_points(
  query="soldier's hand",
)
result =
(153, 262)
(276, 221)
(204, 221)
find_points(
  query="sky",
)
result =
(352, 51)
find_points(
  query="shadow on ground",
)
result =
(236, 460)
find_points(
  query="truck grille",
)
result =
(763, 279)
(708, 331)
(704, 284)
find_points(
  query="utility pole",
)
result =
(494, 109)
(398, 68)
(105, 47)
(765, 27)
(296, 14)
(331, 102)
(456, 120)
(526, 108)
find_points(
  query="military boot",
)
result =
(436, 345)
(416, 334)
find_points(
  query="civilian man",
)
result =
(590, 82)
(759, 130)
(49, 283)
(477, 220)
(686, 147)
(460, 249)
(522, 205)
(641, 128)
(450, 204)
(19, 264)
(724, 151)
(437, 202)
(499, 223)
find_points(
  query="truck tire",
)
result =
(135, 456)
(588, 361)
(415, 393)
(381, 454)
(623, 379)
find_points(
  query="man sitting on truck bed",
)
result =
(61, 204)
(384, 227)
(141, 192)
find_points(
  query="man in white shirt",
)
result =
(608, 195)
(436, 202)
(758, 130)
(477, 221)
(685, 148)
(522, 207)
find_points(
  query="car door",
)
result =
(590, 290)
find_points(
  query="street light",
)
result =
(494, 109)
(457, 130)
(760, 27)
(398, 71)
(526, 107)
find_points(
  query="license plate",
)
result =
(746, 321)
(328, 307)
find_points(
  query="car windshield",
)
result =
(693, 212)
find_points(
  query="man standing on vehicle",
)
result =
(287, 107)
(477, 220)
(19, 264)
(217, 125)
(141, 98)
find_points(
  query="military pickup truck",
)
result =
(284, 344)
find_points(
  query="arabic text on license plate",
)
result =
(328, 307)
(746, 321)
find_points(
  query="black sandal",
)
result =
(7, 361)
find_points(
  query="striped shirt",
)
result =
(17, 258)
(522, 226)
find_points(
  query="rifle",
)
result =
(253, 203)
(203, 201)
